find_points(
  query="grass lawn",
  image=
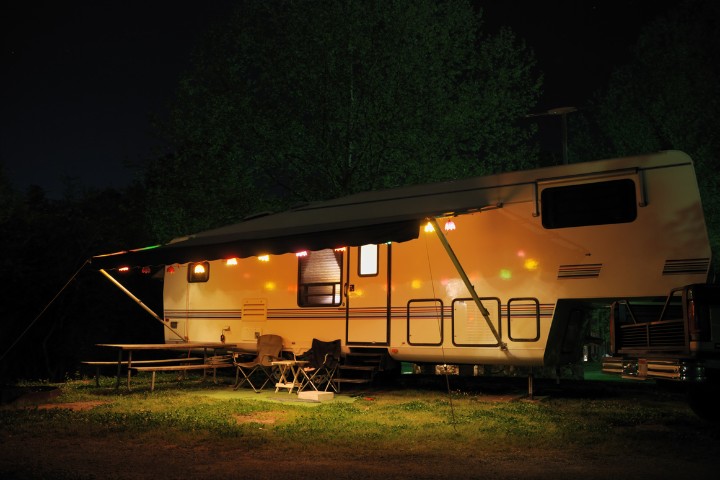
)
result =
(418, 428)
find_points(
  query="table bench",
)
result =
(213, 365)
(98, 364)
(174, 346)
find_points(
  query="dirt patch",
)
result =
(43, 400)
(118, 457)
(22, 397)
(265, 418)
(74, 406)
(505, 398)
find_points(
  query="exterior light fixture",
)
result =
(429, 228)
(145, 270)
(449, 225)
(198, 272)
(264, 258)
(231, 262)
(124, 269)
(301, 254)
(170, 269)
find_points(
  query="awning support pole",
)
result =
(139, 302)
(466, 281)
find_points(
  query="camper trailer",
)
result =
(494, 270)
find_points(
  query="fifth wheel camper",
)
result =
(494, 270)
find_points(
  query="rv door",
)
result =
(367, 295)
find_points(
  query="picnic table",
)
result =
(182, 363)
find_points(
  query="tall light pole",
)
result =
(563, 112)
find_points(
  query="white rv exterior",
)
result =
(537, 246)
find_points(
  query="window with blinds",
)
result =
(320, 279)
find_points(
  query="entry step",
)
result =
(352, 380)
(363, 368)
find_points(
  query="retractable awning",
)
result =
(392, 215)
(229, 245)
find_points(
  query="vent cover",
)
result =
(586, 270)
(686, 266)
(254, 309)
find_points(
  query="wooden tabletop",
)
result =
(166, 346)
(290, 362)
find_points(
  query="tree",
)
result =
(51, 314)
(8, 197)
(666, 98)
(297, 101)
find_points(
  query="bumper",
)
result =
(642, 369)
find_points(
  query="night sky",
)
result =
(81, 79)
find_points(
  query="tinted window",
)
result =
(597, 203)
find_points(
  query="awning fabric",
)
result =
(392, 215)
(196, 249)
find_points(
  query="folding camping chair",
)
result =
(324, 358)
(268, 351)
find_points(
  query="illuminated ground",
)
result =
(633, 444)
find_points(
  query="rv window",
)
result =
(368, 260)
(597, 203)
(319, 278)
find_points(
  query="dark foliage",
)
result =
(56, 307)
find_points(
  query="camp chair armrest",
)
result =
(239, 357)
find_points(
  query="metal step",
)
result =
(360, 366)
(352, 380)
(364, 368)
(373, 360)
(356, 373)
